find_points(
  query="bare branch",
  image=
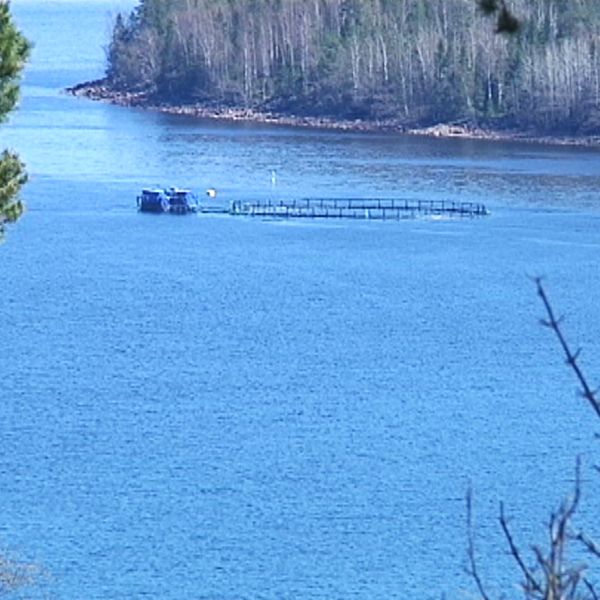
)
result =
(552, 575)
(589, 544)
(530, 581)
(591, 589)
(472, 568)
(571, 358)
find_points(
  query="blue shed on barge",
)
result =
(177, 201)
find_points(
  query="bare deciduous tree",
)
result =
(552, 573)
(414, 61)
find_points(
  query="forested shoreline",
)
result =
(413, 63)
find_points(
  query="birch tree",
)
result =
(418, 62)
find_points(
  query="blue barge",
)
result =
(177, 201)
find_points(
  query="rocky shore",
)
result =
(100, 91)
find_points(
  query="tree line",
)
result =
(413, 61)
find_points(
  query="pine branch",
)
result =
(506, 22)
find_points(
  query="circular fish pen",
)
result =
(382, 209)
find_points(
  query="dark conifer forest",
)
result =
(417, 62)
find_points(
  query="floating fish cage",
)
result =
(382, 209)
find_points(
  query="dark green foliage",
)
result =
(506, 22)
(12, 177)
(488, 7)
(415, 61)
(14, 50)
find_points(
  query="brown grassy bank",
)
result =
(99, 90)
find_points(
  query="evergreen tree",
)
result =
(417, 62)
(14, 50)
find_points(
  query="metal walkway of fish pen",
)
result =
(381, 209)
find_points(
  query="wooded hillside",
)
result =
(416, 61)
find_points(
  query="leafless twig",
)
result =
(472, 568)
(590, 588)
(552, 576)
(531, 583)
(554, 323)
(589, 544)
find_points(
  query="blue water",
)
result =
(220, 408)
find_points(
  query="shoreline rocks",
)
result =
(99, 90)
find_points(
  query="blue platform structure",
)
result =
(177, 201)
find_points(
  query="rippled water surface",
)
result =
(219, 407)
